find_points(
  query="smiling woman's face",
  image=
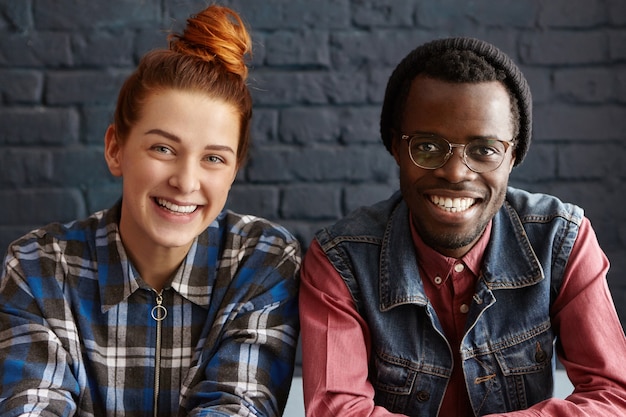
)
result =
(178, 164)
(452, 205)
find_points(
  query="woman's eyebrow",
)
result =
(173, 137)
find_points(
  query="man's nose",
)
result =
(455, 169)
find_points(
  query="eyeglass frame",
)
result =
(451, 146)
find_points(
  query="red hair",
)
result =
(208, 57)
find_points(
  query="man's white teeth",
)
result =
(453, 205)
(176, 208)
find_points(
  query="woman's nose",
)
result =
(185, 177)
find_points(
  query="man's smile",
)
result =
(453, 205)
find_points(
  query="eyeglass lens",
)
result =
(480, 155)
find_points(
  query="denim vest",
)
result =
(507, 348)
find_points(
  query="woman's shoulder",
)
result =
(251, 226)
(56, 236)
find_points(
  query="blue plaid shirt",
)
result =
(81, 334)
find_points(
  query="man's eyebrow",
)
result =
(176, 139)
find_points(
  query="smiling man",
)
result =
(454, 297)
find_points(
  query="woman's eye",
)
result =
(162, 149)
(215, 159)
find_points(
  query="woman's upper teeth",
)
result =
(453, 204)
(175, 207)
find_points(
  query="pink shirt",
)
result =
(336, 340)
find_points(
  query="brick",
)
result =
(441, 13)
(620, 91)
(21, 86)
(316, 13)
(15, 15)
(25, 167)
(358, 49)
(540, 83)
(293, 14)
(349, 125)
(590, 123)
(617, 45)
(360, 125)
(264, 126)
(297, 48)
(259, 50)
(313, 201)
(147, 40)
(585, 85)
(617, 12)
(591, 161)
(96, 120)
(272, 88)
(304, 230)
(104, 48)
(356, 196)
(84, 87)
(377, 79)
(260, 200)
(540, 164)
(35, 50)
(80, 167)
(8, 234)
(373, 13)
(337, 87)
(564, 48)
(362, 163)
(572, 13)
(100, 197)
(503, 13)
(177, 13)
(38, 126)
(78, 14)
(41, 206)
(598, 199)
(310, 125)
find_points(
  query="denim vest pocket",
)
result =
(525, 361)
(393, 379)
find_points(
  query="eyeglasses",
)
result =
(432, 152)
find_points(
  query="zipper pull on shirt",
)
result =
(159, 312)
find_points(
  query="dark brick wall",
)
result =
(320, 69)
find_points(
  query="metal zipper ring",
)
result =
(158, 312)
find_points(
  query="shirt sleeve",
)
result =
(335, 344)
(246, 367)
(590, 339)
(35, 364)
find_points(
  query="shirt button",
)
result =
(464, 308)
(438, 280)
(459, 267)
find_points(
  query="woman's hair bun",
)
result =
(215, 34)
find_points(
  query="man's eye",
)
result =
(486, 150)
(483, 151)
(427, 147)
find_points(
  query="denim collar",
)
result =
(509, 260)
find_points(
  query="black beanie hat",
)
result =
(413, 64)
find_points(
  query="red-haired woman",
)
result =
(166, 304)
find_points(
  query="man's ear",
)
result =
(395, 145)
(112, 151)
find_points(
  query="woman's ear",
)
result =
(113, 151)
